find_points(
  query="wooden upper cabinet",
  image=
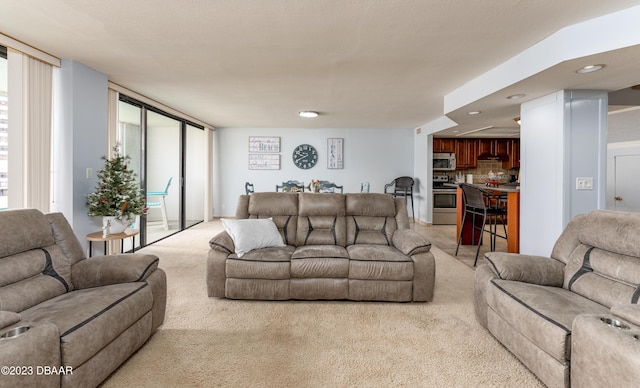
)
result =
(501, 146)
(444, 145)
(513, 150)
(496, 147)
(466, 153)
(468, 150)
(486, 146)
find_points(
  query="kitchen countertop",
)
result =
(500, 188)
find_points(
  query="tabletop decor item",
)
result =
(118, 197)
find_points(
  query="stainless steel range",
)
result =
(444, 201)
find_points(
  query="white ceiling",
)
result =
(360, 63)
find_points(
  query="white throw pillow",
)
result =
(251, 234)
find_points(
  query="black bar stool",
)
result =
(483, 208)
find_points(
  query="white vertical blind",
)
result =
(37, 91)
(30, 92)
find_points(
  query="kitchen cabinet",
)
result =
(494, 147)
(468, 150)
(444, 145)
(513, 150)
(466, 153)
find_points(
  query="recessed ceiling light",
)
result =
(589, 69)
(308, 113)
(515, 96)
(474, 112)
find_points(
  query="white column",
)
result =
(563, 142)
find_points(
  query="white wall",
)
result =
(80, 138)
(376, 156)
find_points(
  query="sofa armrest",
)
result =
(36, 347)
(410, 242)
(604, 355)
(526, 268)
(113, 269)
(629, 312)
(222, 242)
(8, 318)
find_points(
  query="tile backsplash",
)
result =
(481, 173)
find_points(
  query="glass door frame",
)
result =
(180, 182)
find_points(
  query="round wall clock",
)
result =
(305, 156)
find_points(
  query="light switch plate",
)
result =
(584, 183)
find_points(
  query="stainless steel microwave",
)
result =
(444, 162)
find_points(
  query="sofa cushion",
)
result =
(542, 314)
(375, 262)
(251, 234)
(22, 230)
(371, 218)
(281, 207)
(31, 277)
(603, 276)
(370, 230)
(612, 231)
(372, 204)
(320, 261)
(65, 238)
(90, 319)
(321, 219)
(265, 263)
(321, 230)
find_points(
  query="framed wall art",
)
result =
(264, 144)
(264, 162)
(335, 150)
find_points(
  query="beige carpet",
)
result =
(208, 342)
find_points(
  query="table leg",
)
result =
(90, 248)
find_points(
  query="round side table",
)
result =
(97, 236)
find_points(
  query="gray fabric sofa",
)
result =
(85, 317)
(337, 246)
(573, 318)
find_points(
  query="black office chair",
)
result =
(248, 188)
(402, 187)
(484, 209)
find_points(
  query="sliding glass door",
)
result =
(195, 155)
(163, 177)
(168, 155)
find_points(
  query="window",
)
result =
(4, 127)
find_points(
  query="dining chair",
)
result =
(248, 188)
(401, 187)
(328, 187)
(291, 186)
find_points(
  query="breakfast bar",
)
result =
(513, 217)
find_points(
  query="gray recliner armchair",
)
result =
(80, 317)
